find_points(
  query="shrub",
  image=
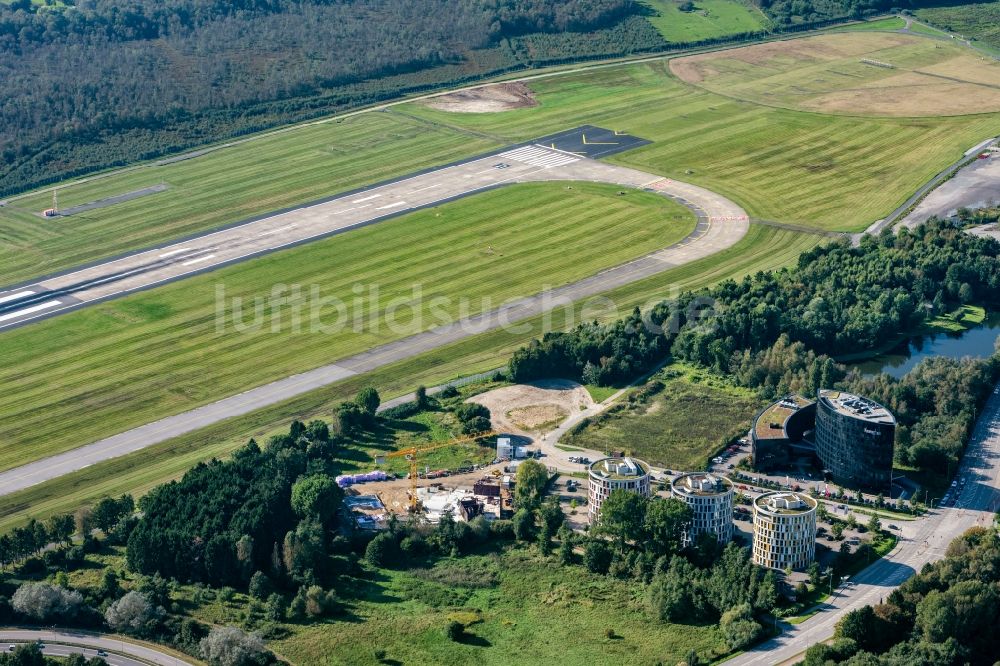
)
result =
(133, 614)
(738, 627)
(229, 646)
(260, 586)
(597, 556)
(43, 602)
(382, 551)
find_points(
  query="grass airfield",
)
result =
(857, 74)
(140, 358)
(162, 351)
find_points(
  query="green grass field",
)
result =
(709, 19)
(518, 608)
(825, 171)
(527, 610)
(103, 369)
(764, 248)
(300, 164)
(680, 427)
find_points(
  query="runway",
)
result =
(721, 224)
(564, 156)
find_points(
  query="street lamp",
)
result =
(829, 573)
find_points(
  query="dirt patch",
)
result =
(529, 409)
(535, 418)
(488, 99)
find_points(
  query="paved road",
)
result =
(892, 218)
(64, 642)
(923, 541)
(721, 224)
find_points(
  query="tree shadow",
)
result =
(473, 640)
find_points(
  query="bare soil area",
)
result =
(488, 99)
(528, 409)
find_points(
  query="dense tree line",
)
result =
(104, 82)
(944, 615)
(598, 353)
(785, 324)
(811, 11)
(264, 510)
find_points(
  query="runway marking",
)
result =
(199, 259)
(173, 252)
(33, 309)
(429, 187)
(539, 156)
(274, 231)
(374, 196)
(348, 210)
(597, 143)
(392, 205)
(14, 297)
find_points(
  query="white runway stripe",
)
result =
(14, 297)
(199, 259)
(374, 196)
(392, 205)
(33, 309)
(539, 157)
(173, 252)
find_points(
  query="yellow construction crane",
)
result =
(411, 454)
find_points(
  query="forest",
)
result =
(99, 83)
(778, 332)
(945, 615)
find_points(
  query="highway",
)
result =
(720, 225)
(974, 501)
(64, 642)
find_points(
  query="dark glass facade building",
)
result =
(854, 440)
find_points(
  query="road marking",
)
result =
(374, 196)
(199, 259)
(14, 297)
(539, 156)
(348, 210)
(274, 231)
(173, 252)
(392, 205)
(33, 309)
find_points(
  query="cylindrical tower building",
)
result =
(610, 474)
(711, 500)
(784, 530)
